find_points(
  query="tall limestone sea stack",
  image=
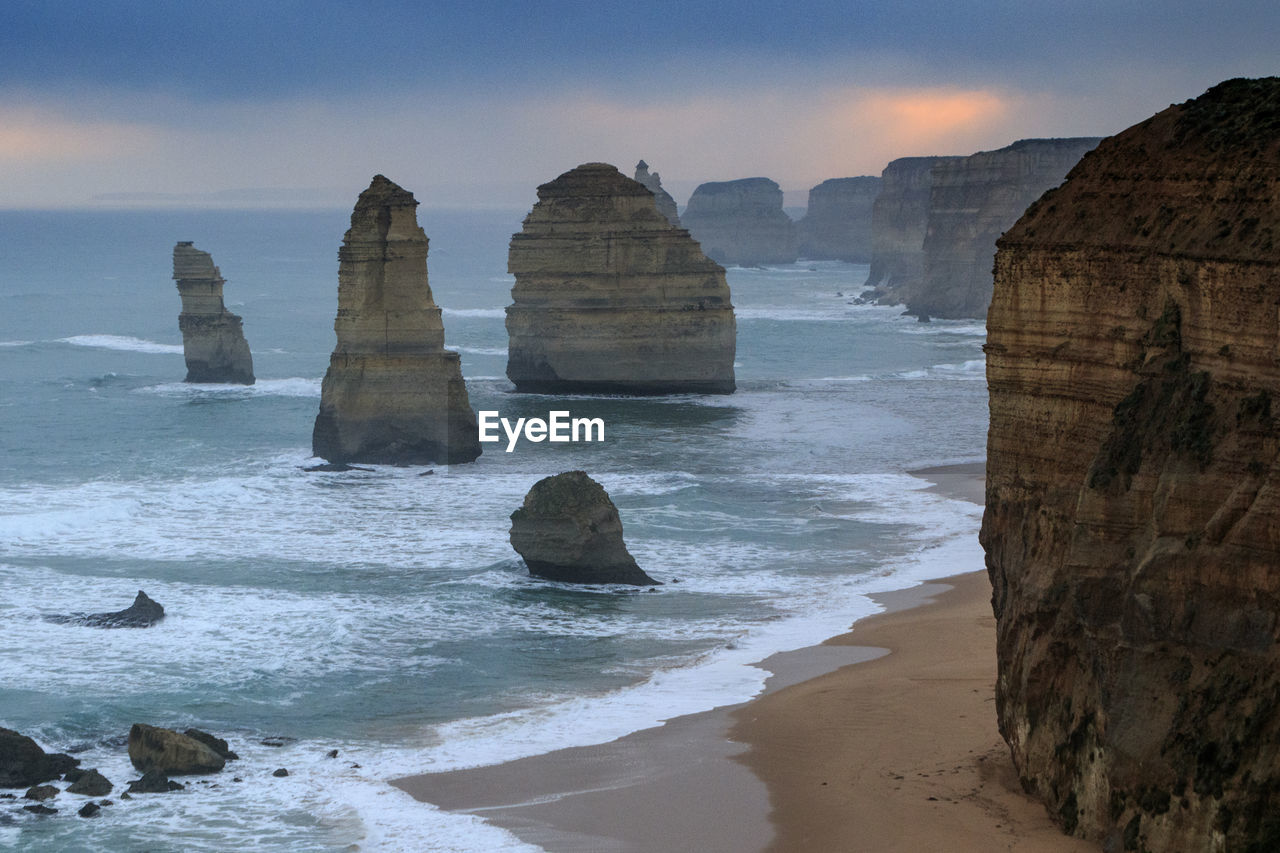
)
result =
(1132, 527)
(837, 225)
(212, 337)
(972, 201)
(393, 394)
(653, 183)
(611, 299)
(742, 222)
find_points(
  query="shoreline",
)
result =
(731, 778)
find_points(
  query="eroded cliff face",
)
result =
(393, 394)
(899, 220)
(653, 183)
(837, 224)
(742, 222)
(610, 298)
(1132, 527)
(212, 337)
(972, 201)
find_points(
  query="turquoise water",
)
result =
(383, 613)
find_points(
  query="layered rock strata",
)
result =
(569, 530)
(653, 183)
(610, 298)
(1132, 527)
(741, 222)
(972, 201)
(212, 337)
(899, 221)
(393, 394)
(837, 224)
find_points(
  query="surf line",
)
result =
(559, 426)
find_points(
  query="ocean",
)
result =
(383, 613)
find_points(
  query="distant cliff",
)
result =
(741, 222)
(899, 220)
(212, 337)
(393, 394)
(837, 225)
(1132, 526)
(653, 183)
(972, 201)
(610, 298)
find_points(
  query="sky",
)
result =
(298, 104)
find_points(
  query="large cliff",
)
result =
(653, 183)
(837, 224)
(1132, 527)
(212, 337)
(610, 298)
(393, 394)
(899, 219)
(742, 222)
(972, 201)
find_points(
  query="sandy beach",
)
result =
(881, 739)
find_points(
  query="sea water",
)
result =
(383, 613)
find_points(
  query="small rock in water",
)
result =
(39, 809)
(90, 783)
(333, 753)
(89, 809)
(143, 613)
(170, 752)
(568, 530)
(280, 773)
(40, 793)
(23, 763)
(277, 740)
(217, 744)
(152, 782)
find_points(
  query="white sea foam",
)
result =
(121, 342)
(15, 343)
(294, 386)
(475, 312)
(481, 350)
(973, 370)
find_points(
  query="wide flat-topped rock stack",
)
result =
(610, 298)
(392, 394)
(212, 337)
(837, 224)
(742, 222)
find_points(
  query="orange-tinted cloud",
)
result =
(37, 138)
(927, 117)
